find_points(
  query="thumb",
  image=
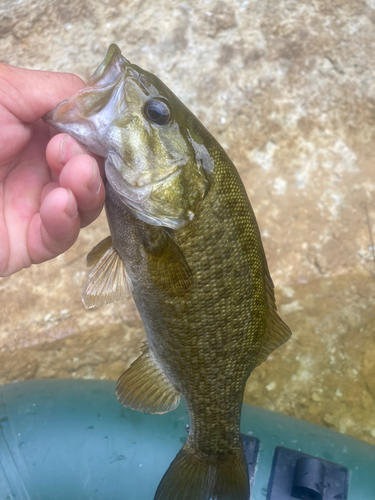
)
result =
(30, 94)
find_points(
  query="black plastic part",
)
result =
(308, 479)
(251, 448)
(295, 475)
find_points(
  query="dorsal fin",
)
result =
(108, 280)
(144, 387)
(277, 332)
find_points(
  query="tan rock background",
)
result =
(288, 88)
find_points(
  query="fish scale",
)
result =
(185, 242)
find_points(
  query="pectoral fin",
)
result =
(108, 280)
(145, 388)
(168, 267)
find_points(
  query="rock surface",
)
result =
(288, 89)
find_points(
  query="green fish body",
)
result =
(185, 242)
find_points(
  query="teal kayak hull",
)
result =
(71, 439)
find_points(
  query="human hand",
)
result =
(49, 188)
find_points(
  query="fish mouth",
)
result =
(113, 67)
(87, 115)
(67, 118)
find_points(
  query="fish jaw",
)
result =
(67, 118)
(89, 114)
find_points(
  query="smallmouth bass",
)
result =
(185, 242)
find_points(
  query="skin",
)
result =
(49, 188)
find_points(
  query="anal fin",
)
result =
(145, 388)
(108, 281)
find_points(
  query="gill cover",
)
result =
(151, 163)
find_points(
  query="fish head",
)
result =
(156, 161)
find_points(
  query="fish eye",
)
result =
(157, 111)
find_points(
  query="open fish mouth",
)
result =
(91, 111)
(68, 118)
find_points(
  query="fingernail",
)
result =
(71, 208)
(63, 142)
(69, 147)
(94, 184)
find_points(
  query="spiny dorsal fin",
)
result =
(169, 267)
(278, 332)
(108, 280)
(144, 387)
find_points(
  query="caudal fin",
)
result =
(189, 478)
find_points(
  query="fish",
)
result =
(184, 241)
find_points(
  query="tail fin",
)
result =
(190, 478)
